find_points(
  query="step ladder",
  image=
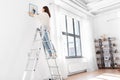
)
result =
(33, 58)
(51, 61)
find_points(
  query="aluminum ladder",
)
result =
(51, 61)
(33, 58)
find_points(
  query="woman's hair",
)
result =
(46, 9)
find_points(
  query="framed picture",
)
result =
(33, 9)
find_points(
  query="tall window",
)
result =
(72, 34)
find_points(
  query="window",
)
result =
(72, 34)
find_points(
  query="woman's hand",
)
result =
(31, 14)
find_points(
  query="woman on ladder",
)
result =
(43, 19)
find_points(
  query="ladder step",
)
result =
(32, 58)
(30, 70)
(55, 75)
(53, 66)
(51, 58)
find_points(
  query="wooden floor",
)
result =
(88, 75)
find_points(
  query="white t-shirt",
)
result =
(43, 19)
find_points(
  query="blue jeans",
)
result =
(47, 43)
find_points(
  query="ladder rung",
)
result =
(30, 70)
(51, 58)
(56, 78)
(53, 66)
(55, 75)
(32, 58)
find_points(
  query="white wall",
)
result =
(88, 43)
(88, 50)
(108, 23)
(13, 23)
(16, 35)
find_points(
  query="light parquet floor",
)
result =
(89, 75)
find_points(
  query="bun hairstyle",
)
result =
(46, 9)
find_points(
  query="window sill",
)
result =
(73, 57)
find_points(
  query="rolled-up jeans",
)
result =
(47, 42)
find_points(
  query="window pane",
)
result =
(71, 46)
(77, 29)
(65, 45)
(70, 24)
(78, 47)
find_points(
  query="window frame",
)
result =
(75, 36)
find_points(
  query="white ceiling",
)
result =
(97, 6)
(90, 1)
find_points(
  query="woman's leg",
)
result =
(47, 44)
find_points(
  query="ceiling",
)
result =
(97, 6)
(89, 1)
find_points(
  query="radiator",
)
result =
(75, 67)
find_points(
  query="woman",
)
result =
(43, 20)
